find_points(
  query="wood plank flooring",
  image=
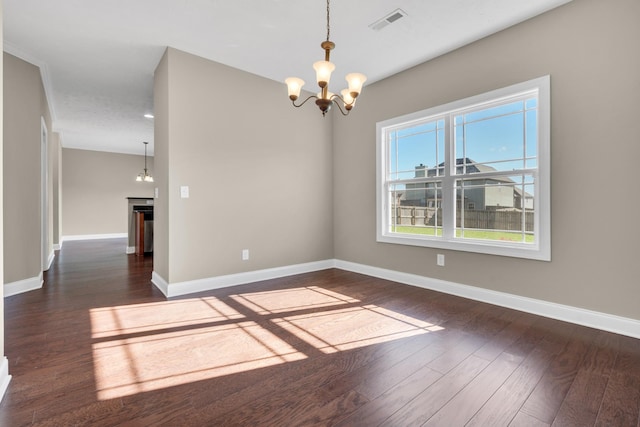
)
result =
(98, 345)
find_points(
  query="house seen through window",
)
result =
(471, 175)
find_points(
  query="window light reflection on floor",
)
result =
(144, 347)
(140, 318)
(350, 328)
(285, 300)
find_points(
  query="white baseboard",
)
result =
(21, 286)
(5, 378)
(210, 283)
(93, 236)
(593, 319)
(52, 255)
(57, 246)
(131, 250)
(579, 316)
(160, 283)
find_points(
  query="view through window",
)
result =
(471, 175)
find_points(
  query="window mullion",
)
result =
(448, 190)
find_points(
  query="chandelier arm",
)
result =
(303, 102)
(337, 104)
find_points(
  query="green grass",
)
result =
(469, 234)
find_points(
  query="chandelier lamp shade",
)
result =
(325, 99)
(145, 175)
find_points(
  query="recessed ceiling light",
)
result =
(149, 116)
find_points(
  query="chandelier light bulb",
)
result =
(348, 100)
(355, 81)
(294, 85)
(323, 72)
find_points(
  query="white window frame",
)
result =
(541, 249)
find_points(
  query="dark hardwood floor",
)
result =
(98, 345)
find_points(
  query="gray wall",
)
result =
(95, 186)
(589, 48)
(244, 156)
(1, 193)
(24, 105)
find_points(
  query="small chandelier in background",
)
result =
(326, 99)
(145, 176)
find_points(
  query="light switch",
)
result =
(156, 192)
(184, 191)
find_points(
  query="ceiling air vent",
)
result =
(389, 19)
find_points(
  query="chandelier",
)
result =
(145, 176)
(325, 99)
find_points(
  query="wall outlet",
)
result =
(440, 260)
(184, 191)
(245, 254)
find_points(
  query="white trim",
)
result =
(210, 283)
(5, 378)
(160, 283)
(57, 246)
(579, 316)
(52, 255)
(131, 250)
(92, 237)
(21, 286)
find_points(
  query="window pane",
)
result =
(496, 141)
(497, 208)
(415, 152)
(416, 208)
(498, 138)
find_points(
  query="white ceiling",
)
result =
(98, 57)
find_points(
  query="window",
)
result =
(472, 175)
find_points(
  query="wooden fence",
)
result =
(483, 220)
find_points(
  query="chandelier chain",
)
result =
(328, 25)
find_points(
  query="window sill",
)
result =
(515, 250)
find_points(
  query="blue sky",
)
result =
(495, 136)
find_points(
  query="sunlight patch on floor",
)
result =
(150, 362)
(144, 347)
(137, 318)
(350, 328)
(284, 300)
